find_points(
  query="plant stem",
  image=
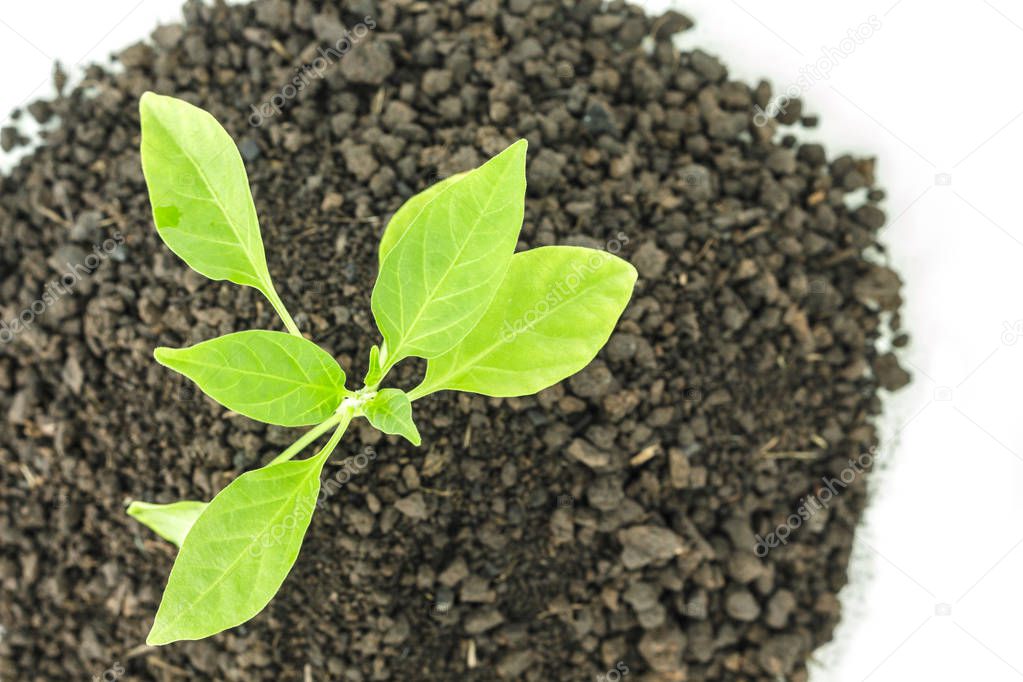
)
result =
(311, 435)
(335, 438)
(419, 391)
(282, 312)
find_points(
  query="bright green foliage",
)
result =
(390, 411)
(170, 521)
(239, 551)
(440, 275)
(403, 217)
(375, 372)
(555, 309)
(200, 195)
(271, 377)
(451, 289)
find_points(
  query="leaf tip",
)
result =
(149, 101)
(518, 149)
(632, 272)
(514, 154)
(622, 268)
(163, 355)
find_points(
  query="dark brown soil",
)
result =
(605, 525)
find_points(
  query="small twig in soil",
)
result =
(645, 455)
(172, 669)
(44, 211)
(792, 454)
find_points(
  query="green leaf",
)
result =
(390, 411)
(554, 311)
(374, 372)
(200, 192)
(239, 551)
(170, 521)
(438, 277)
(200, 195)
(403, 217)
(271, 377)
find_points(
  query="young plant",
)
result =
(450, 289)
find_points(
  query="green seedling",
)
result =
(451, 289)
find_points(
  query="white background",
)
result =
(938, 569)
